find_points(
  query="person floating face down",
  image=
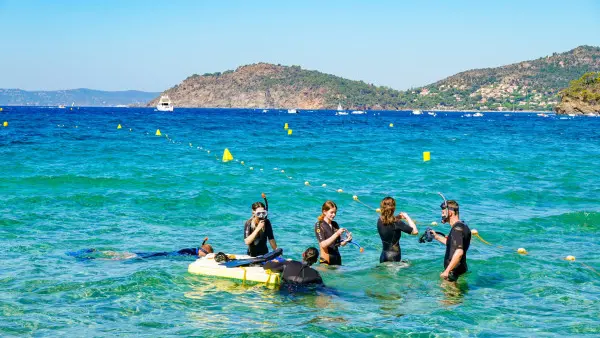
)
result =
(200, 251)
(390, 230)
(257, 230)
(329, 234)
(298, 273)
(457, 243)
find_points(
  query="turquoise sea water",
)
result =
(70, 180)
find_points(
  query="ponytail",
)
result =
(328, 205)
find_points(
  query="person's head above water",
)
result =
(310, 256)
(204, 250)
(449, 211)
(258, 210)
(388, 208)
(328, 211)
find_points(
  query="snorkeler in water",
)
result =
(298, 273)
(86, 254)
(390, 230)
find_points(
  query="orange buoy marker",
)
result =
(227, 155)
(119, 126)
(285, 126)
(289, 132)
(426, 156)
(522, 251)
(5, 124)
(158, 132)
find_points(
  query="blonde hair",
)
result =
(328, 205)
(388, 207)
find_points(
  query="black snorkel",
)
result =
(266, 202)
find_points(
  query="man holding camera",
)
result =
(457, 243)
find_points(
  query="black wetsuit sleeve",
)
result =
(403, 226)
(458, 240)
(247, 229)
(319, 232)
(269, 230)
(274, 266)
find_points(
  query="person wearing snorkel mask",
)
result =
(390, 230)
(457, 243)
(258, 230)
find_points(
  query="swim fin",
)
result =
(254, 260)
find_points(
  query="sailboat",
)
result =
(340, 110)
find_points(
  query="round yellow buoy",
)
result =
(391, 125)
(307, 183)
(522, 251)
(119, 126)
(355, 198)
(378, 210)
(242, 162)
(282, 170)
(474, 232)
(340, 190)
(5, 124)
(251, 168)
(434, 223)
(570, 258)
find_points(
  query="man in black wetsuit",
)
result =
(201, 251)
(298, 273)
(457, 243)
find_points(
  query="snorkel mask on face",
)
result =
(262, 215)
(444, 206)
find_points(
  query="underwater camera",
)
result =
(428, 236)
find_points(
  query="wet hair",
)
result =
(328, 205)
(311, 255)
(453, 205)
(388, 207)
(257, 205)
(208, 248)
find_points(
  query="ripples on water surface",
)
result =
(70, 180)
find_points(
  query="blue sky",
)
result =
(155, 44)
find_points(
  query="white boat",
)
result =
(292, 111)
(341, 113)
(477, 115)
(432, 114)
(164, 104)
(467, 115)
(417, 112)
(572, 115)
(358, 112)
(61, 106)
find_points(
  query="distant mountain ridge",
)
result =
(527, 85)
(80, 97)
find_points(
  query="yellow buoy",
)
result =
(1, 109)
(426, 156)
(242, 162)
(307, 183)
(289, 132)
(474, 232)
(434, 223)
(355, 198)
(227, 155)
(191, 144)
(570, 258)
(119, 126)
(5, 124)
(158, 132)
(522, 251)
(282, 171)
(378, 210)
(285, 126)
(340, 190)
(324, 185)
(391, 125)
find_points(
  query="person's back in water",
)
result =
(298, 273)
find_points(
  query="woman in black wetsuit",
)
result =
(329, 234)
(390, 230)
(257, 230)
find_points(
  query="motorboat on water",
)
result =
(358, 112)
(477, 115)
(164, 104)
(292, 111)
(417, 112)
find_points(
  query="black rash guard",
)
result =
(323, 231)
(295, 272)
(390, 239)
(259, 246)
(459, 238)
